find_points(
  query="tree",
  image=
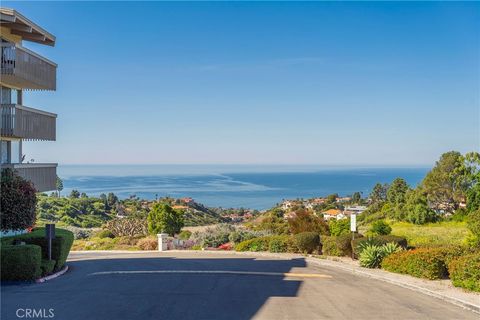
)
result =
(416, 208)
(379, 193)
(112, 199)
(59, 185)
(332, 198)
(356, 197)
(74, 194)
(397, 190)
(396, 197)
(446, 184)
(303, 221)
(163, 218)
(339, 227)
(83, 195)
(17, 202)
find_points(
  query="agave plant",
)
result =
(371, 256)
(389, 248)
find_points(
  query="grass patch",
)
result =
(432, 234)
(95, 243)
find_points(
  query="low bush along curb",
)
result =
(27, 262)
(465, 271)
(430, 263)
(21, 262)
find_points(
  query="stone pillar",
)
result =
(162, 241)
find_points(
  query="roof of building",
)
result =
(332, 212)
(25, 28)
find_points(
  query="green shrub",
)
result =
(47, 266)
(282, 243)
(423, 263)
(465, 271)
(337, 246)
(185, 235)
(61, 245)
(473, 224)
(21, 262)
(196, 247)
(307, 242)
(255, 244)
(380, 227)
(105, 234)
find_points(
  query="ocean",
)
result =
(229, 186)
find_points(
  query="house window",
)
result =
(4, 151)
(9, 96)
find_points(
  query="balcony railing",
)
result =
(25, 69)
(27, 123)
(42, 175)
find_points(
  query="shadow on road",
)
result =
(81, 295)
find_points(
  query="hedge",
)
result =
(465, 271)
(60, 245)
(21, 262)
(282, 243)
(47, 266)
(337, 246)
(423, 263)
(307, 242)
(255, 244)
(378, 240)
(277, 243)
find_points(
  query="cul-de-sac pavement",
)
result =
(201, 285)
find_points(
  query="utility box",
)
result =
(162, 242)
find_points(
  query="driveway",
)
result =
(190, 285)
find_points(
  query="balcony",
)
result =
(27, 123)
(22, 68)
(42, 175)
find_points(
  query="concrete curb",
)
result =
(53, 276)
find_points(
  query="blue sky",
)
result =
(285, 83)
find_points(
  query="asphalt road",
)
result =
(214, 286)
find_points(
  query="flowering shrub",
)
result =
(465, 271)
(225, 246)
(423, 263)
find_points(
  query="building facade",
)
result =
(23, 70)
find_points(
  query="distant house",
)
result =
(344, 199)
(333, 213)
(287, 204)
(188, 200)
